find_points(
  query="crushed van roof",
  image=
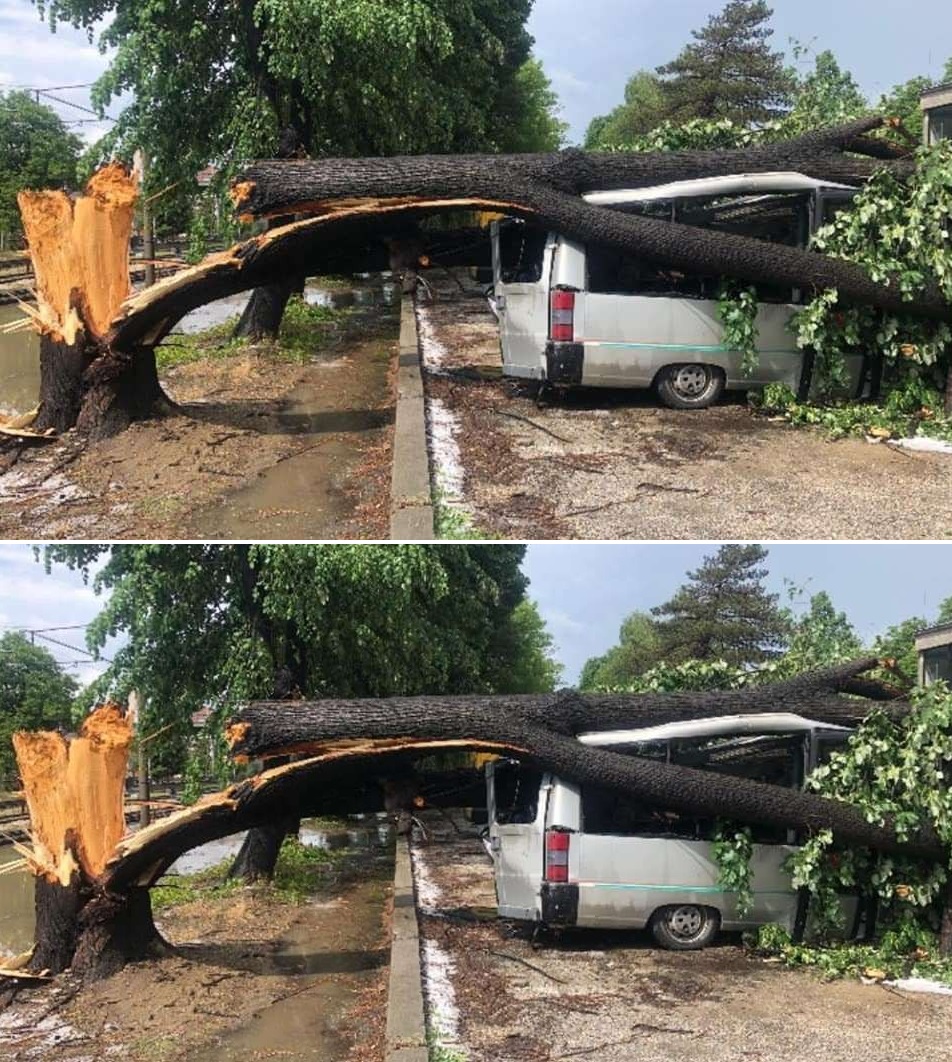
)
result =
(736, 184)
(723, 726)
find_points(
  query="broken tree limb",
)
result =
(268, 187)
(547, 728)
(268, 728)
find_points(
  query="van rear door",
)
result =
(516, 798)
(522, 261)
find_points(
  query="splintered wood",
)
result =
(74, 789)
(80, 252)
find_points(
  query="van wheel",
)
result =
(685, 927)
(690, 386)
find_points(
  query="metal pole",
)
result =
(148, 241)
(135, 708)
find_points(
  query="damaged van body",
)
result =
(571, 315)
(566, 855)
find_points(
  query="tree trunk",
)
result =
(945, 929)
(75, 792)
(258, 855)
(80, 254)
(262, 315)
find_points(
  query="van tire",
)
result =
(694, 386)
(685, 926)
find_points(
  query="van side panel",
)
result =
(624, 880)
(630, 338)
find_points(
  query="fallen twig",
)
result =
(532, 424)
(653, 487)
(531, 966)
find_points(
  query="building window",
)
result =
(937, 664)
(940, 124)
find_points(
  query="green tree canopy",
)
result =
(214, 625)
(644, 109)
(724, 612)
(36, 151)
(35, 694)
(243, 79)
(535, 108)
(819, 638)
(637, 651)
(729, 71)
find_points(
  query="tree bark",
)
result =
(264, 311)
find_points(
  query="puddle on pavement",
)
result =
(16, 906)
(303, 496)
(339, 945)
(19, 365)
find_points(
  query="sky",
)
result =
(588, 47)
(584, 591)
(31, 600)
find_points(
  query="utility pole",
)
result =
(141, 162)
(135, 704)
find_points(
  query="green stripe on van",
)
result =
(718, 349)
(679, 888)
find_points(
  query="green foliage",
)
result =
(537, 125)
(827, 95)
(737, 311)
(636, 653)
(36, 151)
(733, 849)
(535, 669)
(301, 869)
(644, 109)
(217, 625)
(820, 638)
(689, 675)
(174, 890)
(35, 694)
(357, 78)
(903, 770)
(303, 335)
(723, 612)
(729, 70)
(910, 409)
(899, 232)
(908, 951)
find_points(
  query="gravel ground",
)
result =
(615, 998)
(614, 465)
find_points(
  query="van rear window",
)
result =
(516, 793)
(522, 249)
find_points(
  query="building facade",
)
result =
(937, 114)
(934, 646)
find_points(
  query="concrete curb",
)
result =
(411, 504)
(406, 1021)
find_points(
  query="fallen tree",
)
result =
(98, 362)
(93, 908)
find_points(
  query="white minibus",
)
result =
(573, 315)
(565, 855)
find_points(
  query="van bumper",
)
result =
(559, 904)
(564, 363)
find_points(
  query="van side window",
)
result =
(516, 791)
(607, 812)
(612, 272)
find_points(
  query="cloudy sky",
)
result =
(588, 48)
(584, 591)
(32, 600)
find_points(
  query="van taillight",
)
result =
(556, 856)
(562, 329)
